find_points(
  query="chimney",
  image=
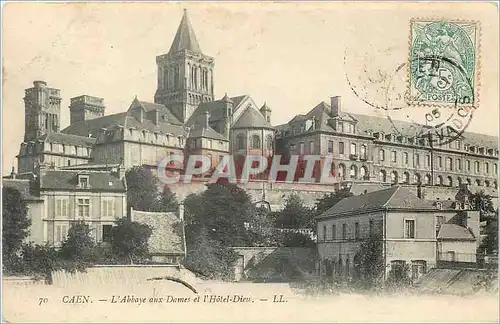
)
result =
(207, 118)
(336, 105)
(181, 212)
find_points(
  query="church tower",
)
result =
(185, 74)
(42, 110)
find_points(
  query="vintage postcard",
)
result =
(250, 162)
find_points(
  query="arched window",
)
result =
(382, 155)
(478, 182)
(427, 179)
(486, 183)
(382, 176)
(405, 157)
(440, 180)
(416, 178)
(341, 171)
(354, 171)
(406, 177)
(459, 181)
(394, 177)
(269, 142)
(240, 142)
(255, 141)
(450, 182)
(469, 181)
(363, 172)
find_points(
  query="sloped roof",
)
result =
(94, 126)
(168, 235)
(67, 139)
(252, 118)
(215, 108)
(169, 124)
(185, 38)
(207, 132)
(23, 186)
(366, 123)
(454, 232)
(396, 197)
(68, 180)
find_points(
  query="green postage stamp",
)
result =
(443, 63)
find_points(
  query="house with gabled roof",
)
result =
(413, 232)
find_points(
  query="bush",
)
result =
(211, 258)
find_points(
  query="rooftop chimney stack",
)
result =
(207, 118)
(336, 105)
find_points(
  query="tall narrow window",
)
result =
(344, 231)
(417, 160)
(382, 155)
(301, 148)
(353, 148)
(334, 232)
(440, 162)
(405, 158)
(427, 160)
(393, 157)
(486, 168)
(341, 147)
(256, 142)
(363, 152)
(409, 228)
(240, 140)
(449, 164)
(370, 230)
(311, 147)
(330, 146)
(468, 165)
(324, 233)
(459, 164)
(83, 207)
(477, 166)
(356, 230)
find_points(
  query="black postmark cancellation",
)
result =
(383, 87)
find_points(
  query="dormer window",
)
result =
(83, 181)
(351, 128)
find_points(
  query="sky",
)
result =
(290, 55)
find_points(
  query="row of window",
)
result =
(61, 209)
(427, 180)
(450, 166)
(454, 145)
(409, 231)
(62, 228)
(255, 142)
(333, 233)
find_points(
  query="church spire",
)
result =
(185, 39)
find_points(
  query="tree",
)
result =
(209, 257)
(142, 189)
(168, 200)
(370, 261)
(78, 246)
(292, 239)
(224, 210)
(483, 203)
(15, 223)
(331, 199)
(489, 245)
(294, 214)
(129, 240)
